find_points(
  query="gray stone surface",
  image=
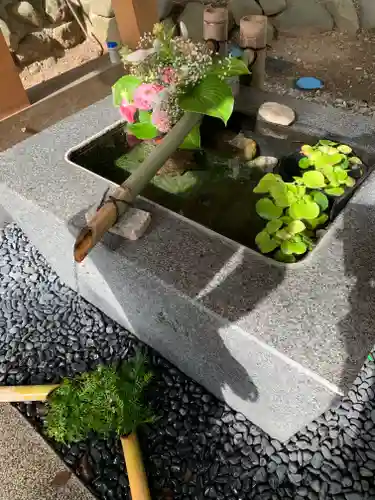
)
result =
(277, 343)
(29, 469)
(241, 8)
(367, 13)
(344, 15)
(192, 16)
(272, 7)
(302, 17)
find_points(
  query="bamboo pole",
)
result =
(126, 193)
(253, 38)
(15, 394)
(134, 467)
(215, 28)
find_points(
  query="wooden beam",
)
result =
(134, 18)
(13, 96)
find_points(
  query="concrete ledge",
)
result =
(278, 343)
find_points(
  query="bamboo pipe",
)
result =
(135, 469)
(130, 444)
(253, 38)
(15, 394)
(127, 192)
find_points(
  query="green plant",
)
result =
(170, 75)
(293, 212)
(103, 401)
(333, 162)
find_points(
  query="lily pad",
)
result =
(295, 227)
(343, 148)
(265, 242)
(335, 191)
(273, 226)
(321, 199)
(304, 209)
(313, 179)
(297, 247)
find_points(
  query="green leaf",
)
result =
(265, 242)
(345, 163)
(321, 199)
(350, 182)
(267, 209)
(144, 116)
(143, 130)
(282, 257)
(279, 193)
(177, 184)
(304, 163)
(193, 139)
(266, 182)
(329, 150)
(229, 67)
(325, 142)
(124, 89)
(273, 226)
(355, 160)
(296, 226)
(211, 97)
(343, 148)
(307, 150)
(326, 159)
(334, 191)
(341, 174)
(290, 247)
(283, 234)
(304, 209)
(322, 219)
(313, 179)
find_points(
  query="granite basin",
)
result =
(279, 344)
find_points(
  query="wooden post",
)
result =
(134, 18)
(13, 96)
(253, 38)
(215, 28)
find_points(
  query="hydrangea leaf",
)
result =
(212, 96)
(124, 89)
(143, 131)
(193, 139)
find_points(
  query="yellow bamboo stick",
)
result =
(13, 394)
(135, 468)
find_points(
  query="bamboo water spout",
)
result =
(126, 193)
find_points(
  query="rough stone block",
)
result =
(68, 35)
(241, 8)
(28, 14)
(101, 8)
(302, 17)
(344, 15)
(367, 13)
(272, 7)
(131, 226)
(192, 17)
(105, 28)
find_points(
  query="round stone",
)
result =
(276, 113)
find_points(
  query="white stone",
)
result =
(105, 29)
(132, 225)
(273, 112)
(11, 38)
(344, 15)
(26, 12)
(192, 17)
(272, 7)
(302, 16)
(367, 13)
(242, 8)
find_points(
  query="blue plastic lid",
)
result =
(309, 83)
(112, 45)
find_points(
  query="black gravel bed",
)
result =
(199, 448)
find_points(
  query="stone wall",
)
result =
(38, 29)
(295, 17)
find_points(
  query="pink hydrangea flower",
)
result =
(145, 95)
(161, 120)
(128, 111)
(168, 76)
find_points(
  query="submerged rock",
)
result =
(266, 163)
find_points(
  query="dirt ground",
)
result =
(48, 68)
(345, 64)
